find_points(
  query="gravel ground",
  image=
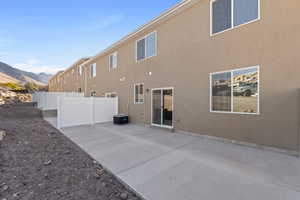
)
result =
(37, 162)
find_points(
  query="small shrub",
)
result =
(13, 86)
(31, 87)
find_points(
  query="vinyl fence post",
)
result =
(58, 112)
(117, 106)
(93, 110)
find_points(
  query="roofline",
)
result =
(141, 28)
(56, 74)
(64, 71)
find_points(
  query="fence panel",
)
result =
(75, 111)
(105, 109)
(48, 100)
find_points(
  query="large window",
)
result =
(138, 93)
(113, 61)
(227, 14)
(235, 91)
(146, 47)
(93, 70)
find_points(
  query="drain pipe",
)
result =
(298, 123)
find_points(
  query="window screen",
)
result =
(146, 47)
(141, 49)
(80, 70)
(245, 11)
(221, 16)
(113, 60)
(93, 70)
(242, 11)
(151, 45)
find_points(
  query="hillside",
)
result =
(7, 79)
(8, 73)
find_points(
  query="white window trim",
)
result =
(232, 18)
(93, 73)
(93, 92)
(136, 49)
(166, 88)
(134, 100)
(232, 112)
(80, 70)
(115, 64)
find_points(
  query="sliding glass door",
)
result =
(162, 107)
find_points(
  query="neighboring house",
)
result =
(70, 80)
(223, 68)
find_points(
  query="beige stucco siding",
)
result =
(187, 54)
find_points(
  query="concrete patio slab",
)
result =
(161, 165)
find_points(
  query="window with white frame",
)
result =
(227, 14)
(146, 47)
(138, 93)
(80, 70)
(113, 60)
(235, 91)
(93, 70)
(110, 94)
(93, 93)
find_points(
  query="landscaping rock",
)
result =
(49, 162)
(4, 188)
(124, 196)
(2, 135)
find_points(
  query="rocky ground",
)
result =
(8, 97)
(37, 162)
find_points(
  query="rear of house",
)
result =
(223, 68)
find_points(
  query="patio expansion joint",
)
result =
(153, 158)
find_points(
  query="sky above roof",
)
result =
(48, 36)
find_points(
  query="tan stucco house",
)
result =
(224, 68)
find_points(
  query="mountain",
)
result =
(44, 78)
(8, 73)
(7, 79)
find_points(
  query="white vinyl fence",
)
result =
(85, 111)
(48, 100)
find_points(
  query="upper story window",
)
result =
(113, 60)
(139, 93)
(146, 47)
(80, 70)
(227, 14)
(93, 70)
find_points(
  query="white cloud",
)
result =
(35, 66)
(93, 24)
(104, 22)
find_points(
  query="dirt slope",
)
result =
(37, 162)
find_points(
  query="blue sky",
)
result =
(50, 35)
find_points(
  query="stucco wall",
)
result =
(187, 54)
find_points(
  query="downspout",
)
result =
(85, 82)
(298, 123)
